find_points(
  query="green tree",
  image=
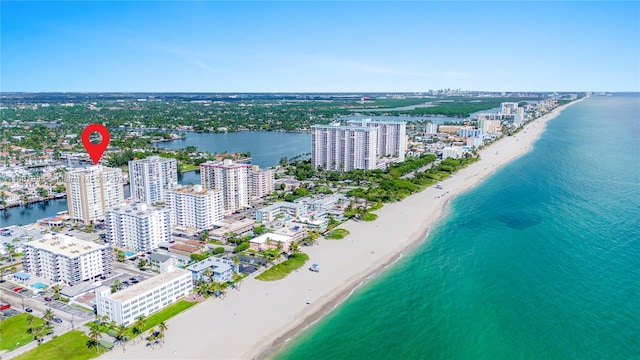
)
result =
(121, 336)
(47, 316)
(138, 325)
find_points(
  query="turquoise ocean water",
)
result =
(540, 261)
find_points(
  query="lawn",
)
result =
(166, 313)
(70, 346)
(153, 319)
(283, 269)
(337, 234)
(14, 330)
(368, 217)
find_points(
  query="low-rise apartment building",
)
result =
(145, 297)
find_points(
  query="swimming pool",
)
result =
(129, 254)
(39, 285)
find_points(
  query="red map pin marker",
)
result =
(95, 150)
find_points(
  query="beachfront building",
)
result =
(145, 297)
(138, 226)
(280, 209)
(270, 241)
(454, 152)
(232, 178)
(91, 190)
(263, 182)
(470, 132)
(62, 258)
(391, 137)
(474, 142)
(220, 270)
(489, 124)
(149, 178)
(343, 148)
(194, 207)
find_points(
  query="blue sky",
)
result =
(319, 46)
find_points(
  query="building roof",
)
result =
(22, 276)
(64, 245)
(217, 265)
(270, 236)
(148, 284)
(185, 248)
(158, 258)
(137, 209)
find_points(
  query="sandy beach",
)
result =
(262, 315)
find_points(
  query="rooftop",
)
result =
(270, 236)
(148, 284)
(217, 265)
(138, 209)
(65, 245)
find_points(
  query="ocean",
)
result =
(540, 261)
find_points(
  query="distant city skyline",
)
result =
(204, 46)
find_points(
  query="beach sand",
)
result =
(249, 323)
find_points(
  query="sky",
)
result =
(332, 46)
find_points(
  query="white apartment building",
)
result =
(489, 126)
(62, 258)
(430, 129)
(149, 178)
(263, 182)
(145, 297)
(230, 177)
(391, 138)
(343, 148)
(509, 108)
(138, 226)
(91, 190)
(454, 152)
(474, 142)
(195, 207)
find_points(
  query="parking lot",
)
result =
(62, 306)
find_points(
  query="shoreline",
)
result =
(258, 320)
(279, 342)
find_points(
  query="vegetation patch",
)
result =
(280, 271)
(164, 315)
(70, 346)
(368, 217)
(337, 234)
(14, 331)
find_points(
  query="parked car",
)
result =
(48, 299)
(29, 310)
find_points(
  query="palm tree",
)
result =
(47, 316)
(38, 333)
(202, 288)
(294, 248)
(237, 279)
(151, 339)
(94, 338)
(10, 249)
(138, 326)
(117, 284)
(56, 291)
(209, 274)
(159, 338)
(162, 328)
(121, 336)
